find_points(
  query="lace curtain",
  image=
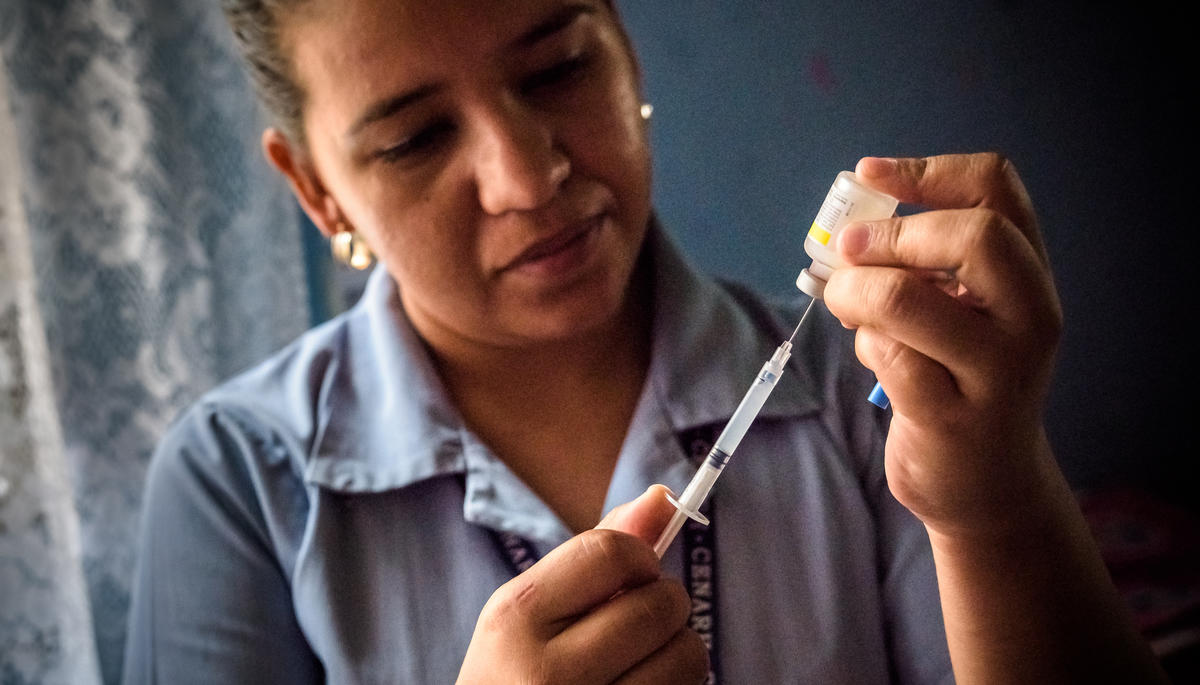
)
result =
(146, 253)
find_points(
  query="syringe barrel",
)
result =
(751, 404)
(698, 487)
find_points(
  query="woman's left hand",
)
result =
(956, 313)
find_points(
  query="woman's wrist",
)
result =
(1024, 495)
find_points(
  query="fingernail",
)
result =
(874, 167)
(656, 491)
(854, 239)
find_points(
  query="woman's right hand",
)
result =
(595, 610)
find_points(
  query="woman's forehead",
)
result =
(358, 47)
(444, 25)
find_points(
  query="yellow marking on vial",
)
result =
(819, 234)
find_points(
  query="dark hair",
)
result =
(255, 25)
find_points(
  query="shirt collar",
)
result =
(710, 340)
(384, 419)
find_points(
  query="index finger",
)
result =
(985, 180)
(581, 573)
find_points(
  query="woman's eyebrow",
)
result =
(389, 106)
(555, 23)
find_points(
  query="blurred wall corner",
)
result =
(149, 253)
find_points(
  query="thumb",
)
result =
(644, 517)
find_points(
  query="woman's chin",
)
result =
(567, 321)
(594, 304)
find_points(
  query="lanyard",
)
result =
(699, 556)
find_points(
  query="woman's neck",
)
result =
(557, 412)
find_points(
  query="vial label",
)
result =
(833, 211)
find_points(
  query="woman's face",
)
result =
(492, 155)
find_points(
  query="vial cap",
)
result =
(811, 285)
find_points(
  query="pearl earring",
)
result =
(647, 111)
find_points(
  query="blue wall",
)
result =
(758, 105)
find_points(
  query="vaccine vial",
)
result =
(847, 201)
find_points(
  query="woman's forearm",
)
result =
(1034, 603)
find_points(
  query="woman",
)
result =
(533, 352)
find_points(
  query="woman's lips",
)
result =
(559, 254)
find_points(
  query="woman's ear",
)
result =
(297, 168)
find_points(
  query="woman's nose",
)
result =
(519, 165)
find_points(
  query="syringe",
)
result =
(688, 504)
(848, 200)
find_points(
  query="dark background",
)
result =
(759, 105)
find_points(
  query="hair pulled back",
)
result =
(256, 26)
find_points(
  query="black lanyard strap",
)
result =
(519, 552)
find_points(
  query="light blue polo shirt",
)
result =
(324, 516)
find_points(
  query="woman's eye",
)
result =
(561, 73)
(423, 142)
